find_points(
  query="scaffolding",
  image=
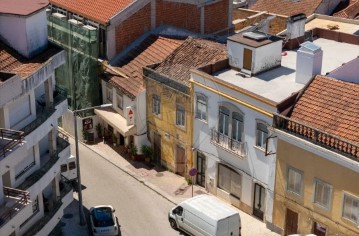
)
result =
(79, 75)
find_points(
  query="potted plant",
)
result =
(133, 151)
(99, 130)
(147, 152)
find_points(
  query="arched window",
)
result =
(156, 105)
(262, 134)
(237, 126)
(223, 120)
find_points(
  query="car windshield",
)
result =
(102, 217)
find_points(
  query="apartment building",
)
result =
(32, 150)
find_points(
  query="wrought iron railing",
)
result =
(316, 136)
(36, 176)
(11, 139)
(228, 143)
(23, 199)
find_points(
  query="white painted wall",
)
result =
(256, 167)
(348, 72)
(30, 36)
(111, 42)
(308, 65)
(267, 57)
(141, 122)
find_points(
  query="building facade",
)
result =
(33, 194)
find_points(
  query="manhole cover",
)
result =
(68, 216)
(63, 224)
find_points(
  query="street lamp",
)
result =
(79, 190)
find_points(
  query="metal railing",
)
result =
(316, 136)
(36, 176)
(40, 119)
(23, 200)
(60, 95)
(13, 138)
(228, 143)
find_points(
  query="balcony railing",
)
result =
(10, 138)
(232, 145)
(317, 137)
(60, 95)
(34, 177)
(65, 189)
(23, 198)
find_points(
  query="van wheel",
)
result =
(173, 224)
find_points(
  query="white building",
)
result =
(234, 102)
(31, 150)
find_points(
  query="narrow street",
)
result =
(140, 210)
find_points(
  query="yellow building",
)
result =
(317, 166)
(170, 102)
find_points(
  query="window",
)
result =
(109, 94)
(63, 168)
(322, 193)
(237, 126)
(229, 180)
(156, 108)
(262, 134)
(351, 208)
(72, 165)
(119, 100)
(223, 120)
(180, 116)
(294, 180)
(201, 107)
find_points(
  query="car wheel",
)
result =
(173, 224)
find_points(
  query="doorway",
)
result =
(291, 222)
(157, 148)
(319, 229)
(259, 201)
(180, 161)
(247, 59)
(201, 169)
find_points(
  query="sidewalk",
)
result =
(167, 184)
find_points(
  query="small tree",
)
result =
(133, 150)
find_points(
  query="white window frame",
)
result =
(325, 189)
(353, 213)
(201, 107)
(120, 100)
(261, 135)
(156, 104)
(224, 114)
(180, 116)
(298, 173)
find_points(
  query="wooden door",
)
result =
(201, 169)
(319, 229)
(291, 222)
(247, 59)
(180, 160)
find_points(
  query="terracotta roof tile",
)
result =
(332, 106)
(192, 54)
(287, 7)
(13, 62)
(97, 10)
(152, 50)
(22, 7)
(350, 12)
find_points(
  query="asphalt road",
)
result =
(140, 210)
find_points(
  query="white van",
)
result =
(68, 169)
(205, 215)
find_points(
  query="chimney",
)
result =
(295, 30)
(309, 62)
(27, 34)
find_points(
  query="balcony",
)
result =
(51, 218)
(15, 201)
(318, 137)
(9, 139)
(229, 144)
(62, 144)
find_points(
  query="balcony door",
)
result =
(259, 201)
(201, 169)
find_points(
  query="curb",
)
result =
(145, 183)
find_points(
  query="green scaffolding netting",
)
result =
(79, 75)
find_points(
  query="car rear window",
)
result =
(102, 217)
